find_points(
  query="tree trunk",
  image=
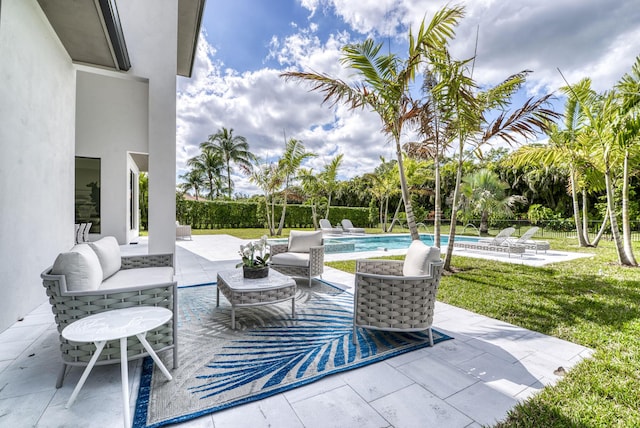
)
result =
(626, 227)
(603, 227)
(576, 208)
(284, 210)
(484, 223)
(615, 232)
(411, 219)
(269, 222)
(454, 213)
(437, 219)
(395, 215)
(585, 219)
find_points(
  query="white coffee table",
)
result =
(241, 292)
(117, 324)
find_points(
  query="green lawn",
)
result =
(591, 301)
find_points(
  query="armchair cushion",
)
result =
(418, 260)
(301, 241)
(81, 268)
(292, 259)
(137, 278)
(108, 253)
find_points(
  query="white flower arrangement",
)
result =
(255, 254)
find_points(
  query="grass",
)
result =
(591, 301)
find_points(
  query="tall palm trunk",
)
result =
(437, 220)
(576, 208)
(615, 232)
(585, 218)
(626, 227)
(454, 212)
(411, 219)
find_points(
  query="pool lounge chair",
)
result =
(348, 227)
(499, 244)
(327, 229)
(530, 244)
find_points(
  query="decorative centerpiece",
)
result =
(255, 256)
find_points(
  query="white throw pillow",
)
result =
(81, 268)
(419, 258)
(108, 252)
(300, 241)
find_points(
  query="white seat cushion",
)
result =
(300, 241)
(81, 268)
(419, 257)
(108, 252)
(291, 259)
(136, 278)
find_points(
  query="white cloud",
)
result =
(581, 37)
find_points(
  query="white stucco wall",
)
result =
(37, 107)
(112, 119)
(153, 56)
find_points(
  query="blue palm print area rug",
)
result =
(268, 353)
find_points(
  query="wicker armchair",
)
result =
(69, 306)
(301, 257)
(385, 299)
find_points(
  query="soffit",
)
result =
(189, 19)
(90, 32)
(82, 29)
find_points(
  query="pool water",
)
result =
(350, 244)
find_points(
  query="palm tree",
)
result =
(611, 139)
(269, 180)
(384, 85)
(329, 179)
(293, 156)
(627, 134)
(193, 179)
(229, 148)
(483, 193)
(312, 190)
(384, 185)
(209, 164)
(468, 110)
(570, 150)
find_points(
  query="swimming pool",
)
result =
(351, 244)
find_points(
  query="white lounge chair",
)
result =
(327, 229)
(499, 244)
(348, 227)
(530, 244)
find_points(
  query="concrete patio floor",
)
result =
(470, 381)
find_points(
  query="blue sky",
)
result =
(246, 44)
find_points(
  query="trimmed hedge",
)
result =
(233, 214)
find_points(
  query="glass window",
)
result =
(87, 205)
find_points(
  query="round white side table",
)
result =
(117, 324)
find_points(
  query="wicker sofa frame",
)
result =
(315, 268)
(384, 299)
(69, 306)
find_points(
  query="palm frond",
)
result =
(524, 121)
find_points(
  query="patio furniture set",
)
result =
(111, 309)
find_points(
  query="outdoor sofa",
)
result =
(93, 277)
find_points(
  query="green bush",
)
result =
(235, 214)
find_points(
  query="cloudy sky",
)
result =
(246, 44)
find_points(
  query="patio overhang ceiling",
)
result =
(91, 32)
